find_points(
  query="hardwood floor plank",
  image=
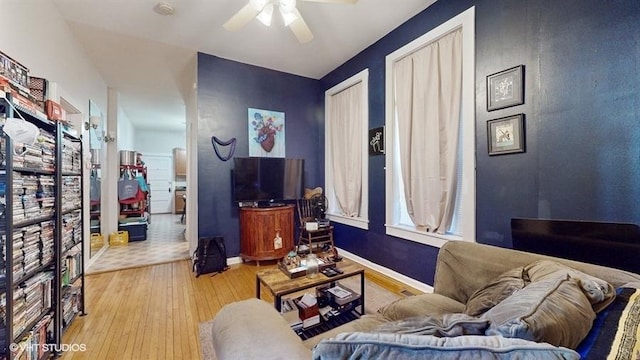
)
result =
(154, 312)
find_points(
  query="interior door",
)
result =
(159, 172)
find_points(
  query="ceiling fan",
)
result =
(263, 11)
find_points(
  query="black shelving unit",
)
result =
(34, 224)
(70, 257)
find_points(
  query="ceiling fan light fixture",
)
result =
(288, 17)
(287, 6)
(266, 15)
(259, 4)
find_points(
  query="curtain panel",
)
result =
(345, 139)
(427, 95)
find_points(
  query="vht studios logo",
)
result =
(47, 347)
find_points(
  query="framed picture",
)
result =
(506, 135)
(266, 133)
(505, 88)
(376, 141)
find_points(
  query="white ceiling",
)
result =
(147, 57)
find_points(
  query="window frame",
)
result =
(361, 221)
(466, 21)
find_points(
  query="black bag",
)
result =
(210, 256)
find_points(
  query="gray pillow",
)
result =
(555, 311)
(497, 290)
(599, 292)
(363, 346)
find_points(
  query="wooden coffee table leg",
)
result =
(362, 291)
(257, 288)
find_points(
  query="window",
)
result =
(346, 152)
(430, 128)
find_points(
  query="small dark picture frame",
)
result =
(505, 88)
(376, 141)
(506, 135)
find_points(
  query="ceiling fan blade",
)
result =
(335, 1)
(300, 29)
(241, 18)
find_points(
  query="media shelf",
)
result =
(41, 232)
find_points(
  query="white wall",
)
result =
(126, 132)
(36, 36)
(159, 142)
(191, 102)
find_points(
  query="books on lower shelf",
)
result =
(293, 319)
(311, 321)
(302, 312)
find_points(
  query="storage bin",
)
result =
(137, 231)
(97, 240)
(119, 238)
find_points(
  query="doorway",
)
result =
(165, 243)
(159, 179)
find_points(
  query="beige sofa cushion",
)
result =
(465, 267)
(255, 330)
(417, 305)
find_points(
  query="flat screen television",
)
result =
(261, 179)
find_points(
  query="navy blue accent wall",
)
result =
(226, 89)
(582, 98)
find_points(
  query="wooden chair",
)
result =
(314, 239)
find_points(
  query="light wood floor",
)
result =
(153, 312)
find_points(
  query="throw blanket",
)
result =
(440, 325)
(615, 333)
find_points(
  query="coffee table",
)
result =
(281, 285)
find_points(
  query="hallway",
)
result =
(165, 243)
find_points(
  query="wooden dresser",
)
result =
(259, 228)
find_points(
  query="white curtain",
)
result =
(427, 97)
(345, 139)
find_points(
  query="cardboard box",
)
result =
(308, 309)
(311, 226)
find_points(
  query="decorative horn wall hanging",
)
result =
(217, 142)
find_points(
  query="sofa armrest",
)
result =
(253, 329)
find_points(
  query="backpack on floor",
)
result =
(210, 256)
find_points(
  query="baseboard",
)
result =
(388, 272)
(234, 260)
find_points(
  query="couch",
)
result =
(487, 302)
